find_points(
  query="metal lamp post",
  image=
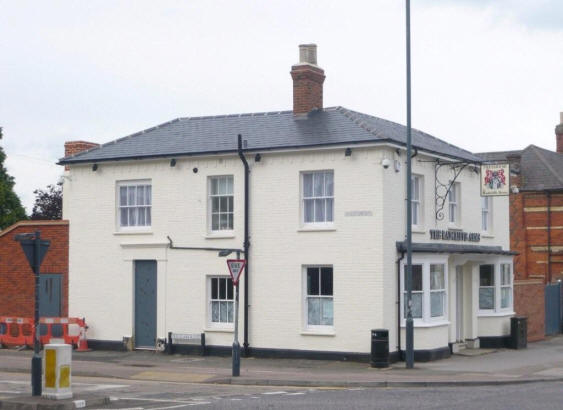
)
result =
(409, 357)
(35, 250)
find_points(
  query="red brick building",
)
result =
(16, 276)
(536, 226)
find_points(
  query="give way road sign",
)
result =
(236, 267)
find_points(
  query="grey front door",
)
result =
(49, 295)
(145, 304)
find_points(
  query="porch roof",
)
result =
(454, 248)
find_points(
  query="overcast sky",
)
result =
(487, 75)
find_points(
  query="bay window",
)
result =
(429, 290)
(495, 288)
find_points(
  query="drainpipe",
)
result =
(246, 243)
(399, 303)
(548, 236)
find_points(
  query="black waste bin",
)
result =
(380, 348)
(519, 332)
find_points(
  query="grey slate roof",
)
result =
(263, 131)
(540, 169)
(454, 248)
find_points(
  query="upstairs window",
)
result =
(416, 200)
(454, 203)
(135, 202)
(318, 197)
(486, 208)
(221, 203)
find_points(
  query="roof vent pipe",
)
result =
(559, 134)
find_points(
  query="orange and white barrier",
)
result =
(20, 331)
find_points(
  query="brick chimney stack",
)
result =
(308, 81)
(74, 147)
(559, 134)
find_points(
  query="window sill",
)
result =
(495, 314)
(454, 227)
(418, 229)
(437, 323)
(134, 232)
(487, 235)
(318, 333)
(313, 228)
(220, 235)
(219, 330)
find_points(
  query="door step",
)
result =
(457, 347)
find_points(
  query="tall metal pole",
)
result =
(409, 359)
(236, 345)
(36, 360)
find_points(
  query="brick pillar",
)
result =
(74, 147)
(308, 81)
(559, 134)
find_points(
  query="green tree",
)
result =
(11, 209)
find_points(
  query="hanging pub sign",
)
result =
(495, 179)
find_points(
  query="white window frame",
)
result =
(210, 323)
(497, 308)
(417, 206)
(118, 206)
(305, 302)
(327, 224)
(210, 197)
(487, 214)
(508, 286)
(427, 318)
(454, 206)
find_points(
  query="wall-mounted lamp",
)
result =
(257, 157)
(348, 152)
(95, 167)
(173, 162)
(514, 189)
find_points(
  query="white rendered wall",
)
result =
(369, 218)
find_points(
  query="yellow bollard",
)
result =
(57, 371)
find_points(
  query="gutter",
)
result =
(246, 242)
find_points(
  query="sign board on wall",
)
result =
(495, 179)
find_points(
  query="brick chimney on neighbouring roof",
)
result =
(74, 147)
(559, 134)
(308, 81)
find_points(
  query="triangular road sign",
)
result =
(28, 247)
(236, 266)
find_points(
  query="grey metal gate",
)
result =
(553, 309)
(145, 304)
(49, 295)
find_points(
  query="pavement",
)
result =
(540, 361)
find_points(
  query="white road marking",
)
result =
(11, 392)
(274, 392)
(184, 402)
(295, 394)
(236, 399)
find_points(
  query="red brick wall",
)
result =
(307, 88)
(529, 301)
(16, 277)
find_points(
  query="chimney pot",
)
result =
(308, 54)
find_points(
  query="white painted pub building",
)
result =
(325, 211)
